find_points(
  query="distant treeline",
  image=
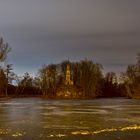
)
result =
(88, 80)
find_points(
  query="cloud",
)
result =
(49, 31)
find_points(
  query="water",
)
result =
(99, 119)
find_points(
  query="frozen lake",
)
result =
(99, 119)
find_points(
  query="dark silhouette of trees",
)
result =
(27, 80)
(10, 76)
(42, 76)
(3, 83)
(9, 73)
(131, 79)
(27, 86)
(110, 85)
(48, 76)
(86, 76)
(23, 84)
(52, 79)
(4, 50)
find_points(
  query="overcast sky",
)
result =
(49, 31)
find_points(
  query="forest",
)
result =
(88, 79)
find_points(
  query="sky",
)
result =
(50, 31)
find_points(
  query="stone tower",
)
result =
(68, 76)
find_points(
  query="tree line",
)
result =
(87, 76)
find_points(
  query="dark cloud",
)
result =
(49, 31)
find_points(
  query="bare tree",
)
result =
(4, 50)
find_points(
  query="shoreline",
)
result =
(42, 97)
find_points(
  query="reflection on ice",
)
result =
(130, 120)
(135, 127)
(81, 132)
(75, 111)
(57, 135)
(42, 119)
(18, 134)
(90, 132)
(78, 132)
(4, 131)
(64, 127)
